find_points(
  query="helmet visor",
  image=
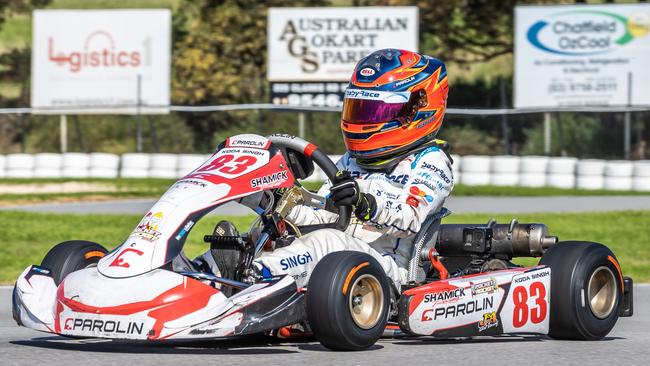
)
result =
(370, 106)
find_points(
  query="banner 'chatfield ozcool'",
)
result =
(582, 55)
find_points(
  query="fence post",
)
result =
(138, 117)
(505, 140)
(80, 136)
(627, 136)
(547, 133)
(154, 135)
(301, 125)
(627, 129)
(63, 133)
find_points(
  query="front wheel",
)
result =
(348, 300)
(69, 256)
(586, 290)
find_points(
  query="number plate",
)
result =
(527, 307)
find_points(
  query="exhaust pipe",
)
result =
(511, 240)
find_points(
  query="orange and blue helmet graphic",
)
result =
(395, 102)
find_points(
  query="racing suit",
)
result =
(416, 188)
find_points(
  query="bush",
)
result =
(467, 140)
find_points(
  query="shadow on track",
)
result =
(418, 341)
(249, 345)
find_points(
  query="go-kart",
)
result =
(461, 281)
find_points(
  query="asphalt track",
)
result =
(627, 344)
(455, 204)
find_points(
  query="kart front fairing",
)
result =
(156, 305)
(129, 296)
(242, 167)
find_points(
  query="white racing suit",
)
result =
(416, 188)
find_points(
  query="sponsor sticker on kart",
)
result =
(186, 229)
(462, 310)
(247, 140)
(485, 287)
(147, 229)
(269, 180)
(458, 307)
(79, 325)
(134, 326)
(445, 296)
(490, 320)
(121, 259)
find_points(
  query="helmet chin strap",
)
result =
(387, 164)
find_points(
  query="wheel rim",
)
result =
(601, 292)
(366, 301)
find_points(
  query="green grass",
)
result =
(123, 188)
(625, 233)
(26, 237)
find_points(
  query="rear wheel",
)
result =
(586, 290)
(69, 256)
(348, 299)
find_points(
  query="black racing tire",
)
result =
(337, 319)
(69, 256)
(586, 290)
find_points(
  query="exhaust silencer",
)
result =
(511, 240)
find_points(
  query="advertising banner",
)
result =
(101, 61)
(308, 93)
(582, 55)
(311, 51)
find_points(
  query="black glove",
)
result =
(345, 192)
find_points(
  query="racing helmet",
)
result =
(393, 106)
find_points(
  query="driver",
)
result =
(394, 173)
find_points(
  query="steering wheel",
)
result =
(312, 152)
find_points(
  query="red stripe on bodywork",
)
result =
(172, 304)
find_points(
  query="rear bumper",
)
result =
(627, 306)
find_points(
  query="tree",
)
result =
(464, 31)
(15, 70)
(220, 58)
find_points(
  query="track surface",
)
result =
(455, 204)
(628, 344)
